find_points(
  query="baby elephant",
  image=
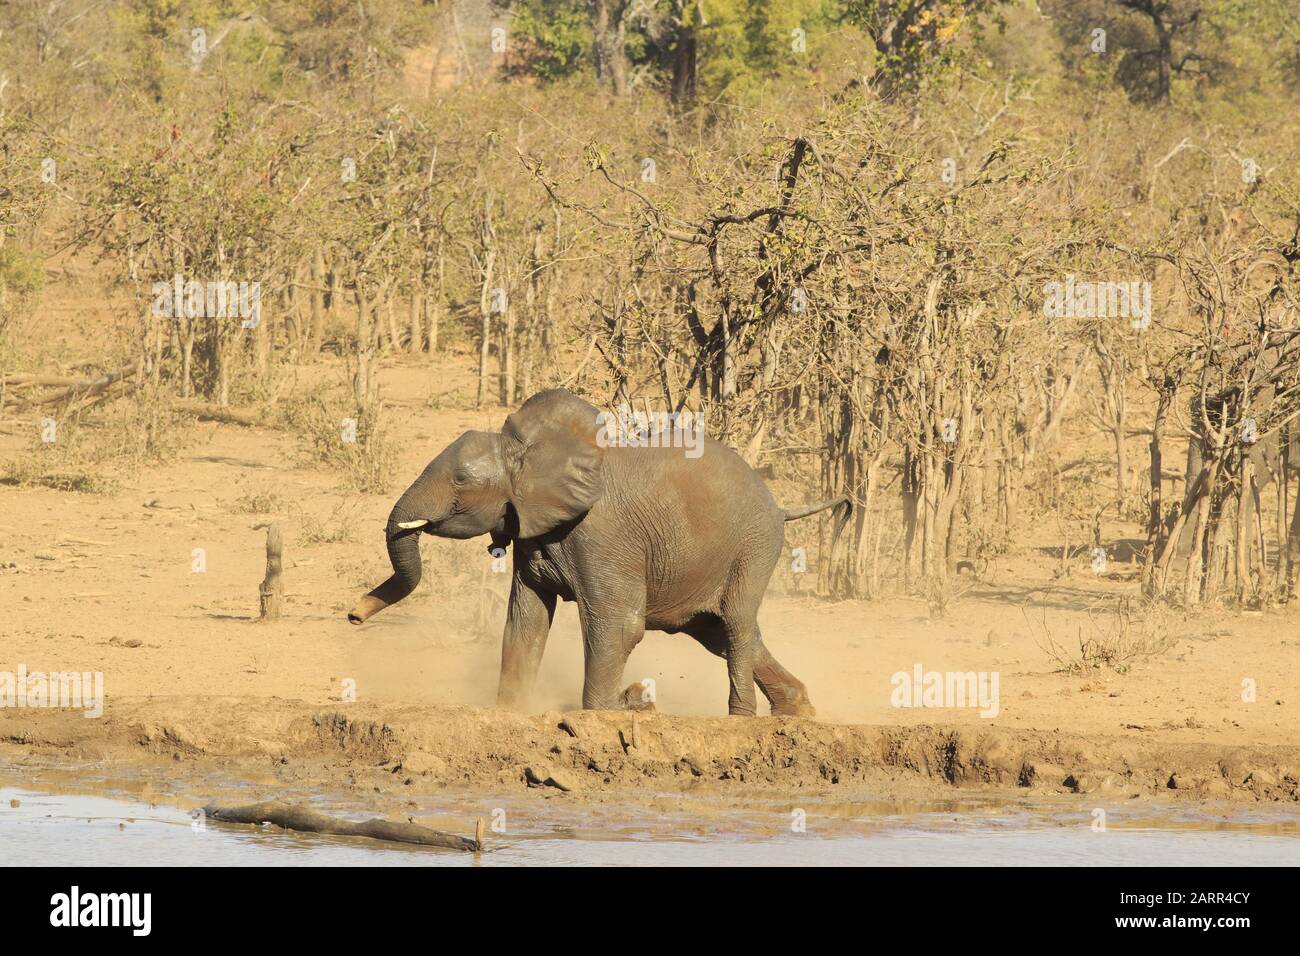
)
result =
(641, 538)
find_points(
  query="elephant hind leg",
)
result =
(785, 692)
(742, 641)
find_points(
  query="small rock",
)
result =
(1111, 783)
(1260, 779)
(1001, 759)
(1081, 783)
(1087, 757)
(543, 776)
(1234, 768)
(690, 763)
(1218, 788)
(562, 780)
(420, 762)
(1041, 773)
(537, 776)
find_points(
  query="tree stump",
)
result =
(272, 590)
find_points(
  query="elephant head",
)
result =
(541, 470)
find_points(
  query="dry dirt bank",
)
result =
(612, 755)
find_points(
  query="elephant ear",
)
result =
(555, 460)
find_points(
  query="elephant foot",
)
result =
(793, 702)
(785, 692)
(802, 708)
(511, 697)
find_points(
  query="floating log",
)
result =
(290, 817)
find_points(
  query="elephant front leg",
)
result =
(607, 640)
(528, 621)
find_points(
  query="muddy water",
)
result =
(73, 829)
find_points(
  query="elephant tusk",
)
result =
(408, 525)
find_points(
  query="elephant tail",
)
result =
(842, 505)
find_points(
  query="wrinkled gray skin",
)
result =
(639, 538)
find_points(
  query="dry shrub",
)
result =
(939, 593)
(87, 456)
(260, 501)
(1129, 632)
(22, 274)
(337, 528)
(361, 453)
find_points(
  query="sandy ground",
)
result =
(193, 682)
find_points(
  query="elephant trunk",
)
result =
(404, 555)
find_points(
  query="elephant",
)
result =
(640, 538)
